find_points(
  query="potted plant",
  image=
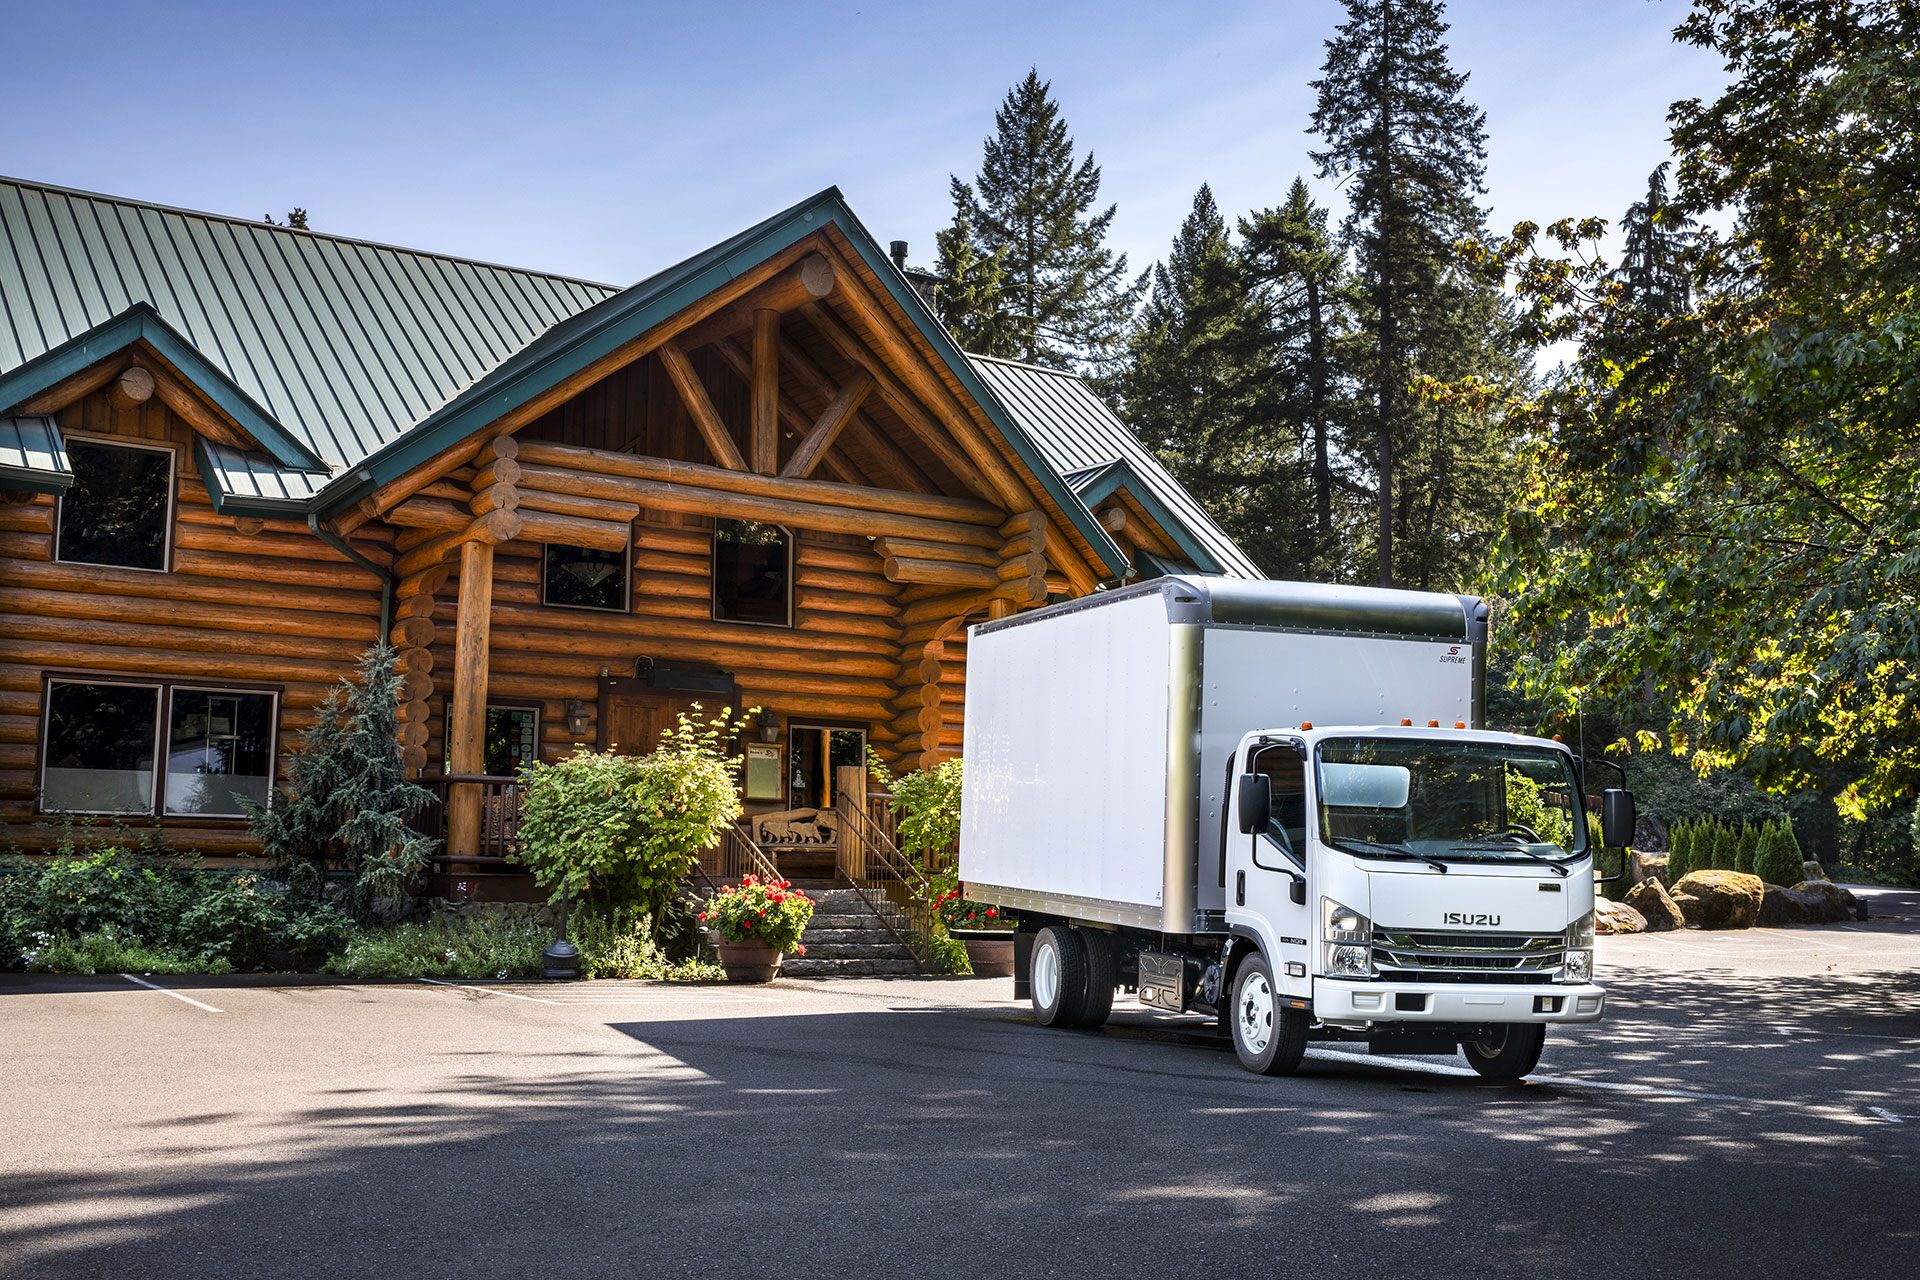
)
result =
(983, 929)
(754, 924)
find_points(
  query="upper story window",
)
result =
(585, 577)
(103, 739)
(752, 573)
(120, 509)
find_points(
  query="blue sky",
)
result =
(609, 140)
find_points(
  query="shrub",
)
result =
(1679, 850)
(110, 951)
(619, 944)
(1748, 846)
(479, 947)
(927, 804)
(1726, 844)
(347, 801)
(625, 831)
(949, 955)
(755, 911)
(140, 895)
(1778, 861)
(235, 919)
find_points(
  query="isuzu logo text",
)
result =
(1462, 917)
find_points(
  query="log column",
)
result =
(467, 708)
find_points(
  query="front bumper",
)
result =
(1338, 1001)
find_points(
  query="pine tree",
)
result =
(1065, 296)
(1778, 858)
(1300, 282)
(971, 297)
(1746, 848)
(1412, 151)
(1196, 392)
(1653, 272)
(1726, 844)
(346, 801)
(1679, 849)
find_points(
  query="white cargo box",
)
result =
(1099, 732)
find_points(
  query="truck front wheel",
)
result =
(1059, 978)
(1269, 1036)
(1511, 1051)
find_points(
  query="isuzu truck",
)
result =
(1276, 804)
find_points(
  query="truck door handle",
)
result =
(1239, 888)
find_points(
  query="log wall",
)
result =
(278, 608)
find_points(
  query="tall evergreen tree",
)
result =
(1299, 278)
(1064, 294)
(1653, 269)
(971, 296)
(1412, 151)
(1196, 392)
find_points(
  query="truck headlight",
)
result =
(1579, 959)
(1349, 940)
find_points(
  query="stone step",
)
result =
(869, 935)
(808, 966)
(856, 951)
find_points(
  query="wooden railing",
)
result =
(499, 843)
(734, 855)
(894, 889)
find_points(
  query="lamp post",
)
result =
(562, 957)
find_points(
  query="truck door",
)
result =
(1262, 868)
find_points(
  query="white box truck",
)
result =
(1274, 803)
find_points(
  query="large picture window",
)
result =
(585, 578)
(103, 737)
(752, 573)
(119, 511)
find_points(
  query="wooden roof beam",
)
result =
(809, 280)
(900, 467)
(791, 416)
(700, 407)
(827, 428)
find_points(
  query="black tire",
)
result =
(1103, 975)
(1511, 1054)
(1269, 1037)
(1058, 977)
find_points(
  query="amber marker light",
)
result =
(1459, 724)
(1433, 724)
(1306, 724)
(1405, 721)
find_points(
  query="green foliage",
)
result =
(1778, 859)
(1679, 850)
(774, 913)
(1720, 486)
(1726, 847)
(619, 943)
(926, 803)
(346, 802)
(110, 951)
(625, 831)
(1526, 808)
(83, 892)
(949, 955)
(971, 298)
(1061, 297)
(1746, 845)
(476, 947)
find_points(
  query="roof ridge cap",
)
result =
(318, 235)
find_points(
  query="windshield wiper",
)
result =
(1520, 843)
(1368, 850)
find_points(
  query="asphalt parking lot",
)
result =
(1750, 1108)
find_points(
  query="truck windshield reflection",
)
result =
(1453, 800)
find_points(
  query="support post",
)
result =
(467, 709)
(764, 442)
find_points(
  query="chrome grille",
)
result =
(1433, 955)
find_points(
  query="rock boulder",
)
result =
(1648, 866)
(1812, 870)
(1650, 899)
(1616, 917)
(1720, 899)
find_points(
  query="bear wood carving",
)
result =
(797, 829)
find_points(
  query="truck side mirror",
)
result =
(1254, 802)
(1617, 818)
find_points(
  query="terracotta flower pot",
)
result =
(989, 951)
(748, 961)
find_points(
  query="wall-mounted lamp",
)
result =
(579, 718)
(769, 727)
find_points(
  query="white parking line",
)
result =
(151, 986)
(512, 995)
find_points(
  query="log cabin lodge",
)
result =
(234, 455)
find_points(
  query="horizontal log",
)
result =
(239, 588)
(414, 758)
(938, 573)
(425, 582)
(15, 518)
(495, 526)
(415, 607)
(499, 471)
(918, 549)
(420, 660)
(415, 711)
(823, 492)
(412, 633)
(496, 447)
(196, 537)
(148, 611)
(416, 686)
(567, 504)
(413, 734)
(808, 280)
(1026, 566)
(183, 661)
(145, 636)
(495, 497)
(442, 516)
(669, 496)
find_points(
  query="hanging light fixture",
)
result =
(579, 719)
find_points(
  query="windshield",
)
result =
(1465, 801)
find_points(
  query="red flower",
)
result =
(992, 912)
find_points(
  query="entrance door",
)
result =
(633, 716)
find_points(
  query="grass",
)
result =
(108, 952)
(616, 946)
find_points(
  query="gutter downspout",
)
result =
(344, 548)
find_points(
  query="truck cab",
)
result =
(1416, 888)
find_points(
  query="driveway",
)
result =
(1750, 1108)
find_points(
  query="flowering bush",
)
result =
(927, 804)
(756, 910)
(626, 831)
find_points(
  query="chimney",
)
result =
(924, 282)
(899, 251)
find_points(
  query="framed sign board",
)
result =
(763, 771)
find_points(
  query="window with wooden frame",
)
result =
(119, 511)
(752, 573)
(101, 739)
(511, 741)
(585, 577)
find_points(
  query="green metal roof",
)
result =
(1083, 440)
(342, 344)
(252, 484)
(33, 456)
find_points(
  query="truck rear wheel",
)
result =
(1510, 1053)
(1103, 975)
(1059, 978)
(1269, 1037)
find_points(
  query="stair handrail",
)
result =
(878, 847)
